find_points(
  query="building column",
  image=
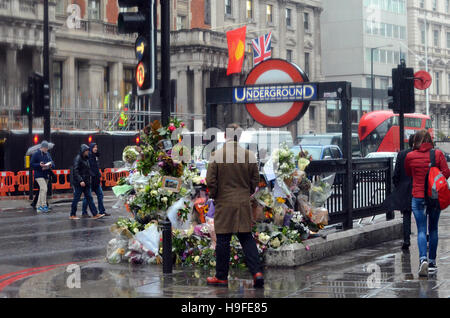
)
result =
(69, 84)
(11, 75)
(300, 37)
(116, 87)
(182, 93)
(198, 92)
(317, 45)
(37, 59)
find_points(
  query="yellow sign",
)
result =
(27, 161)
(140, 48)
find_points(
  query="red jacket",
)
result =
(417, 165)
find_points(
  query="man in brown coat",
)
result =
(232, 178)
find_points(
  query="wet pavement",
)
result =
(29, 242)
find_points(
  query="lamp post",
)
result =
(371, 73)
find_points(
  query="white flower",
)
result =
(154, 193)
(164, 199)
(197, 259)
(275, 243)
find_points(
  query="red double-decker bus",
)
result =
(379, 130)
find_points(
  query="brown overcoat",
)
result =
(231, 183)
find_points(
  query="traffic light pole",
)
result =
(165, 114)
(165, 61)
(46, 75)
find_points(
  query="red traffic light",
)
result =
(138, 140)
(90, 139)
(36, 139)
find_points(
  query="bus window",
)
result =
(373, 141)
(428, 124)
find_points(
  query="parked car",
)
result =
(319, 152)
(330, 139)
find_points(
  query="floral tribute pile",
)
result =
(165, 183)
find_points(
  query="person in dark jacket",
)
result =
(403, 192)
(42, 162)
(96, 185)
(417, 164)
(81, 182)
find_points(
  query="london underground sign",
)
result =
(276, 81)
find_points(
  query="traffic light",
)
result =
(38, 95)
(393, 92)
(402, 90)
(407, 100)
(35, 139)
(26, 104)
(141, 22)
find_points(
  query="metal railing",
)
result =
(372, 183)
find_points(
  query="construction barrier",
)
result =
(62, 180)
(22, 180)
(7, 183)
(8, 180)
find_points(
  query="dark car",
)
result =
(330, 139)
(319, 152)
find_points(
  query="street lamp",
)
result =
(371, 72)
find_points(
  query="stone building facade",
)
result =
(436, 16)
(92, 66)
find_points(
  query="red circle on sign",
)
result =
(296, 111)
(423, 80)
(140, 74)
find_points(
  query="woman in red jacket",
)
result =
(416, 165)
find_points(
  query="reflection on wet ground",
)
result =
(381, 271)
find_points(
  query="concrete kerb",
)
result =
(333, 244)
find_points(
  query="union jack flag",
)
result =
(262, 48)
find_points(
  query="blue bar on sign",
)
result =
(282, 93)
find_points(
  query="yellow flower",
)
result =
(212, 263)
(281, 200)
(197, 259)
(121, 251)
(190, 231)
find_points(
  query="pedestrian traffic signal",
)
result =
(26, 103)
(38, 95)
(143, 23)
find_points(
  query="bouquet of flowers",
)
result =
(283, 160)
(130, 154)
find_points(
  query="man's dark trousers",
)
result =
(223, 254)
(97, 188)
(78, 190)
(406, 226)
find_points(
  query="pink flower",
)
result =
(182, 124)
(236, 257)
(172, 127)
(307, 247)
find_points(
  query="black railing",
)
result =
(372, 183)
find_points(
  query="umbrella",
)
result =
(35, 148)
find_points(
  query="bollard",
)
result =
(167, 246)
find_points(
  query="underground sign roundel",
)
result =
(278, 114)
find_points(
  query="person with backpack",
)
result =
(81, 183)
(96, 185)
(418, 163)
